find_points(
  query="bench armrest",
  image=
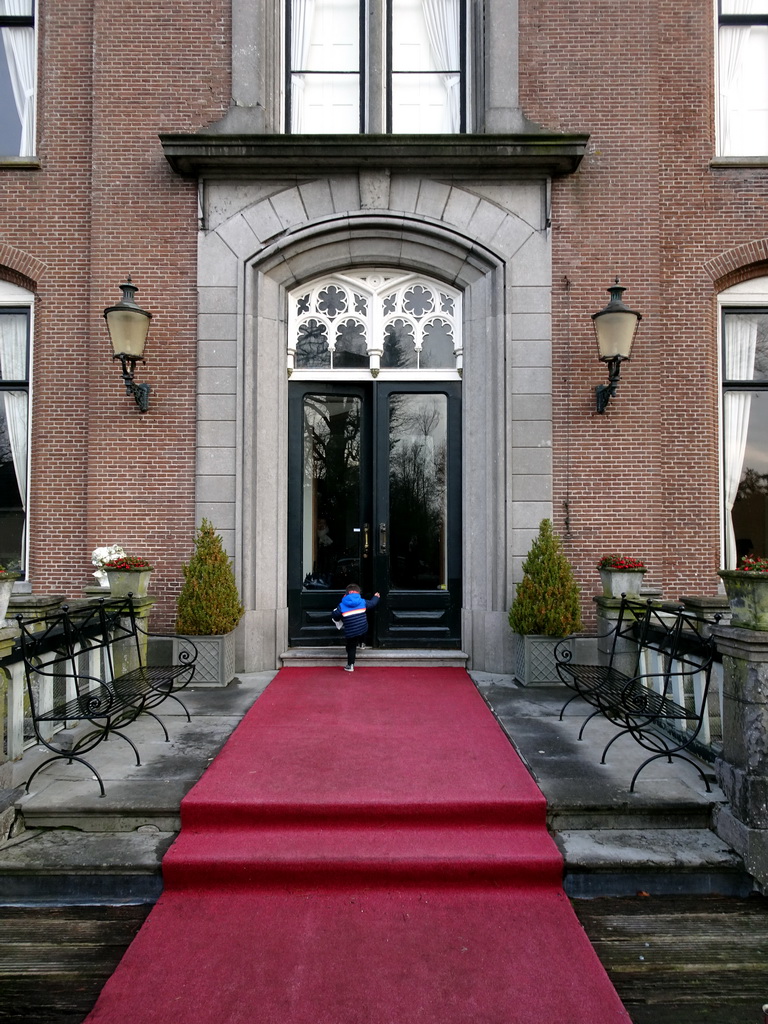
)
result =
(187, 648)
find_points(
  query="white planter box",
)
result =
(215, 665)
(534, 658)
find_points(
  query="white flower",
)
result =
(105, 554)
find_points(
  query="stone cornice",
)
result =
(518, 155)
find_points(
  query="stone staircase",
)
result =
(658, 839)
(70, 844)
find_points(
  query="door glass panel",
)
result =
(331, 528)
(418, 491)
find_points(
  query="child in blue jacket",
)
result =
(351, 612)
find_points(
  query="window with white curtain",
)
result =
(743, 78)
(745, 428)
(14, 424)
(17, 78)
(403, 69)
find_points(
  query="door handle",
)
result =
(366, 539)
(383, 538)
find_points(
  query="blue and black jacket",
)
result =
(351, 611)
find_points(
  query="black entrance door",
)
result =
(375, 499)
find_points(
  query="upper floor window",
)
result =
(14, 422)
(743, 78)
(744, 330)
(401, 69)
(17, 78)
(390, 324)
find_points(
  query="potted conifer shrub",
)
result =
(208, 609)
(546, 608)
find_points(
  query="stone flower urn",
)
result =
(748, 597)
(621, 581)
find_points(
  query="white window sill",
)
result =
(19, 163)
(730, 162)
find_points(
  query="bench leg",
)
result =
(681, 757)
(639, 736)
(110, 731)
(569, 701)
(182, 705)
(159, 721)
(586, 721)
(69, 758)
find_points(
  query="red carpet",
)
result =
(367, 849)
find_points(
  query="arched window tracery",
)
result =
(371, 323)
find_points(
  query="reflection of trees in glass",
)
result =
(417, 485)
(752, 483)
(350, 351)
(399, 351)
(332, 462)
(437, 345)
(312, 345)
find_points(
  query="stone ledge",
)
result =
(534, 154)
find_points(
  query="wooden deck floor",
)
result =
(678, 960)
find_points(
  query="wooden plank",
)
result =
(685, 958)
(673, 960)
(54, 961)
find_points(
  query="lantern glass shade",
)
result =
(615, 333)
(127, 330)
(615, 326)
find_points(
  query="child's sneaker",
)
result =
(349, 668)
(362, 647)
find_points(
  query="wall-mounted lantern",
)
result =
(128, 325)
(615, 329)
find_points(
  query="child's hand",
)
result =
(377, 594)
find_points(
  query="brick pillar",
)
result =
(742, 771)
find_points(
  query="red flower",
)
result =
(751, 563)
(620, 563)
(128, 563)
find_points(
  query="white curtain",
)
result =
(302, 16)
(444, 32)
(740, 342)
(13, 366)
(19, 46)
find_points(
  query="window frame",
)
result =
(747, 298)
(25, 21)
(15, 304)
(723, 21)
(375, 76)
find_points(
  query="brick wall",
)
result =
(103, 204)
(646, 205)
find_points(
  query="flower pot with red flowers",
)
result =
(128, 574)
(621, 575)
(747, 590)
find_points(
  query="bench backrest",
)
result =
(677, 642)
(78, 650)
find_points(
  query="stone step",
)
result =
(65, 866)
(375, 657)
(660, 862)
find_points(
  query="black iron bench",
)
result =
(86, 670)
(654, 683)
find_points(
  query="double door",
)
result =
(375, 499)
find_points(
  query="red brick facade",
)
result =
(646, 204)
(102, 204)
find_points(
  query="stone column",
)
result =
(742, 771)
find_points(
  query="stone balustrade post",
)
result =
(742, 771)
